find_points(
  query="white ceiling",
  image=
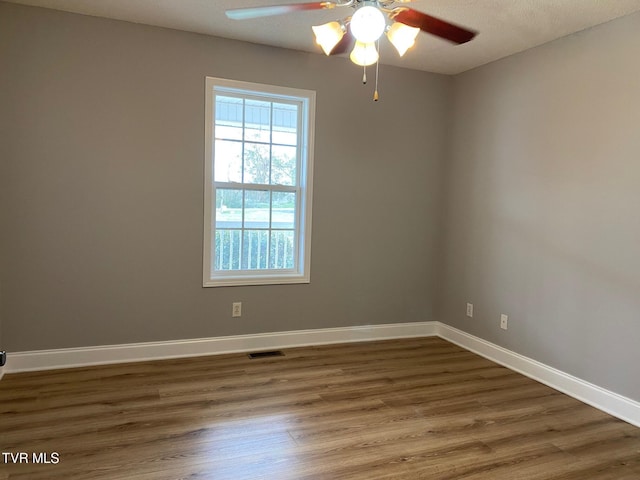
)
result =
(505, 26)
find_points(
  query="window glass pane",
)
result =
(228, 208)
(282, 249)
(257, 118)
(256, 208)
(228, 133)
(228, 110)
(256, 249)
(285, 124)
(229, 114)
(283, 165)
(228, 248)
(256, 163)
(283, 210)
(228, 161)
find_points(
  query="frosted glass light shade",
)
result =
(402, 36)
(328, 35)
(367, 24)
(364, 54)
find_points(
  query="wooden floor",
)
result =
(402, 409)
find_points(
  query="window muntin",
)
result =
(258, 190)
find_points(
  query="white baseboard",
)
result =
(135, 352)
(605, 400)
(621, 407)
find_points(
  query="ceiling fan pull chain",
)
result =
(364, 74)
(375, 93)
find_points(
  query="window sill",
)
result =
(237, 281)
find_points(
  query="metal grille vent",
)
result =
(272, 353)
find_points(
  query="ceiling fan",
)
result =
(361, 31)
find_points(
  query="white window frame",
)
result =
(304, 185)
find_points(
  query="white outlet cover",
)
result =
(504, 321)
(469, 309)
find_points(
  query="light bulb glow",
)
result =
(364, 54)
(328, 35)
(367, 24)
(402, 36)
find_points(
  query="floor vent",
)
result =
(272, 353)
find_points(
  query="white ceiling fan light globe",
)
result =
(367, 24)
(402, 36)
(328, 35)
(364, 54)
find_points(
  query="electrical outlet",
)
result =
(504, 321)
(236, 310)
(469, 309)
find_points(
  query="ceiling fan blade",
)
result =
(433, 25)
(257, 12)
(345, 44)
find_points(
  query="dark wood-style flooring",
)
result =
(401, 409)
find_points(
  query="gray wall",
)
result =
(542, 214)
(102, 186)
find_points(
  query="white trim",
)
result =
(617, 405)
(135, 352)
(610, 402)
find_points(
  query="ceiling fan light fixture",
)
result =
(328, 35)
(370, 19)
(364, 54)
(402, 36)
(368, 24)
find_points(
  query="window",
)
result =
(258, 183)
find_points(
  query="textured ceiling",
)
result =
(505, 26)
